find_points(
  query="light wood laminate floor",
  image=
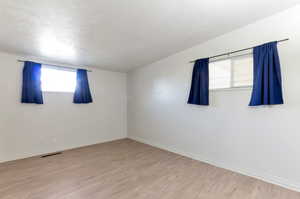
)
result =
(126, 169)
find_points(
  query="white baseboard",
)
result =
(30, 155)
(273, 179)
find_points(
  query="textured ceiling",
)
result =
(120, 35)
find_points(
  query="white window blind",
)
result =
(231, 73)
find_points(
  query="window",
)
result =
(235, 72)
(57, 80)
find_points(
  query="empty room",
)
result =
(140, 99)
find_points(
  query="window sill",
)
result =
(246, 88)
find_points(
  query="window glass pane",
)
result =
(230, 73)
(220, 74)
(242, 71)
(57, 80)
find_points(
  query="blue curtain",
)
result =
(82, 93)
(199, 93)
(31, 87)
(267, 88)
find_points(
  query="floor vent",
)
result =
(51, 154)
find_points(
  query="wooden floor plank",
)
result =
(126, 169)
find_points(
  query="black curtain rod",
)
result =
(66, 67)
(232, 52)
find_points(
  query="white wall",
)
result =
(262, 142)
(28, 129)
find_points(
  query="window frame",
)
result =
(59, 69)
(232, 87)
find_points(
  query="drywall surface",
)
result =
(261, 142)
(29, 129)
